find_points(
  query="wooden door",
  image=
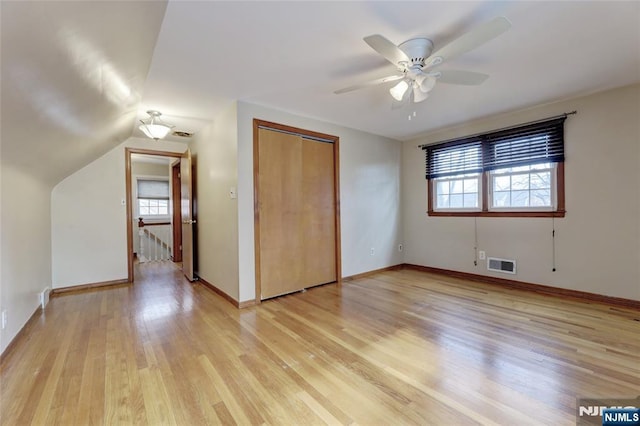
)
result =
(186, 208)
(317, 227)
(296, 213)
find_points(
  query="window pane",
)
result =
(502, 183)
(442, 202)
(151, 207)
(520, 182)
(519, 198)
(501, 199)
(442, 188)
(471, 200)
(541, 180)
(470, 185)
(456, 187)
(456, 201)
(541, 198)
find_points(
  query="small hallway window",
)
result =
(153, 197)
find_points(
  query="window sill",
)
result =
(557, 213)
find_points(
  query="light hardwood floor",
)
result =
(399, 347)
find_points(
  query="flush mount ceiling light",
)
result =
(153, 127)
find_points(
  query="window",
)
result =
(153, 207)
(526, 187)
(517, 171)
(458, 192)
(153, 197)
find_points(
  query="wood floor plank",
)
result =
(240, 413)
(396, 347)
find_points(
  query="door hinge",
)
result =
(180, 248)
(179, 175)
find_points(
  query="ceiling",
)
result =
(151, 159)
(193, 59)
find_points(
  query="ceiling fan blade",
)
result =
(467, 78)
(369, 83)
(469, 41)
(390, 51)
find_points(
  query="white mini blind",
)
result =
(153, 189)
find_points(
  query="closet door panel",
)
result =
(318, 214)
(280, 196)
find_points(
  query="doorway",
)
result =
(154, 216)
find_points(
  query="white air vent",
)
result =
(507, 266)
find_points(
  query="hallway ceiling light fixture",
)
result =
(153, 127)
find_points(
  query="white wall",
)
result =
(88, 219)
(370, 210)
(597, 243)
(139, 168)
(214, 153)
(26, 247)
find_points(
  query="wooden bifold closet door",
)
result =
(296, 213)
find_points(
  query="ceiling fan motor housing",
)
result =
(417, 49)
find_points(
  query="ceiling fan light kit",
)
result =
(153, 127)
(399, 90)
(419, 95)
(415, 61)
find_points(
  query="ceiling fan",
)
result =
(417, 65)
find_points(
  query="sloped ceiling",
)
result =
(77, 75)
(72, 80)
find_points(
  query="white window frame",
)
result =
(477, 176)
(553, 188)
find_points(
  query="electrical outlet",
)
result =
(373, 251)
(4, 319)
(482, 255)
(400, 248)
